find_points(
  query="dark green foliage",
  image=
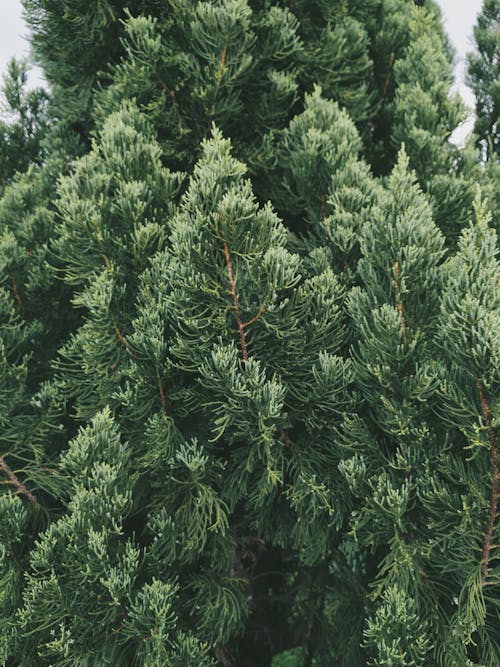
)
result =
(72, 40)
(216, 63)
(326, 28)
(389, 444)
(319, 183)
(249, 349)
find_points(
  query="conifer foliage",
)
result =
(249, 339)
(484, 76)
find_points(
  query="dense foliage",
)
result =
(249, 339)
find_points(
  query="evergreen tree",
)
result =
(249, 343)
(484, 78)
(220, 63)
(251, 301)
(469, 339)
(408, 529)
(389, 443)
(237, 64)
(71, 41)
(425, 115)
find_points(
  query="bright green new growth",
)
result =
(249, 348)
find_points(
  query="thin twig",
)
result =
(218, 82)
(389, 74)
(234, 295)
(323, 216)
(167, 90)
(399, 303)
(493, 507)
(262, 310)
(16, 293)
(119, 334)
(121, 338)
(220, 73)
(21, 488)
(323, 207)
(162, 394)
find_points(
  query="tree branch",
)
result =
(399, 303)
(234, 295)
(389, 74)
(16, 293)
(121, 338)
(262, 310)
(14, 481)
(223, 656)
(493, 507)
(218, 82)
(220, 73)
(162, 393)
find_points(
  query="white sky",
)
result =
(13, 35)
(459, 17)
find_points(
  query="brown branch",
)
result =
(121, 338)
(403, 323)
(399, 303)
(285, 439)
(234, 295)
(493, 507)
(220, 74)
(262, 310)
(389, 74)
(119, 334)
(323, 216)
(218, 82)
(21, 488)
(16, 293)
(162, 395)
(167, 90)
(223, 655)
